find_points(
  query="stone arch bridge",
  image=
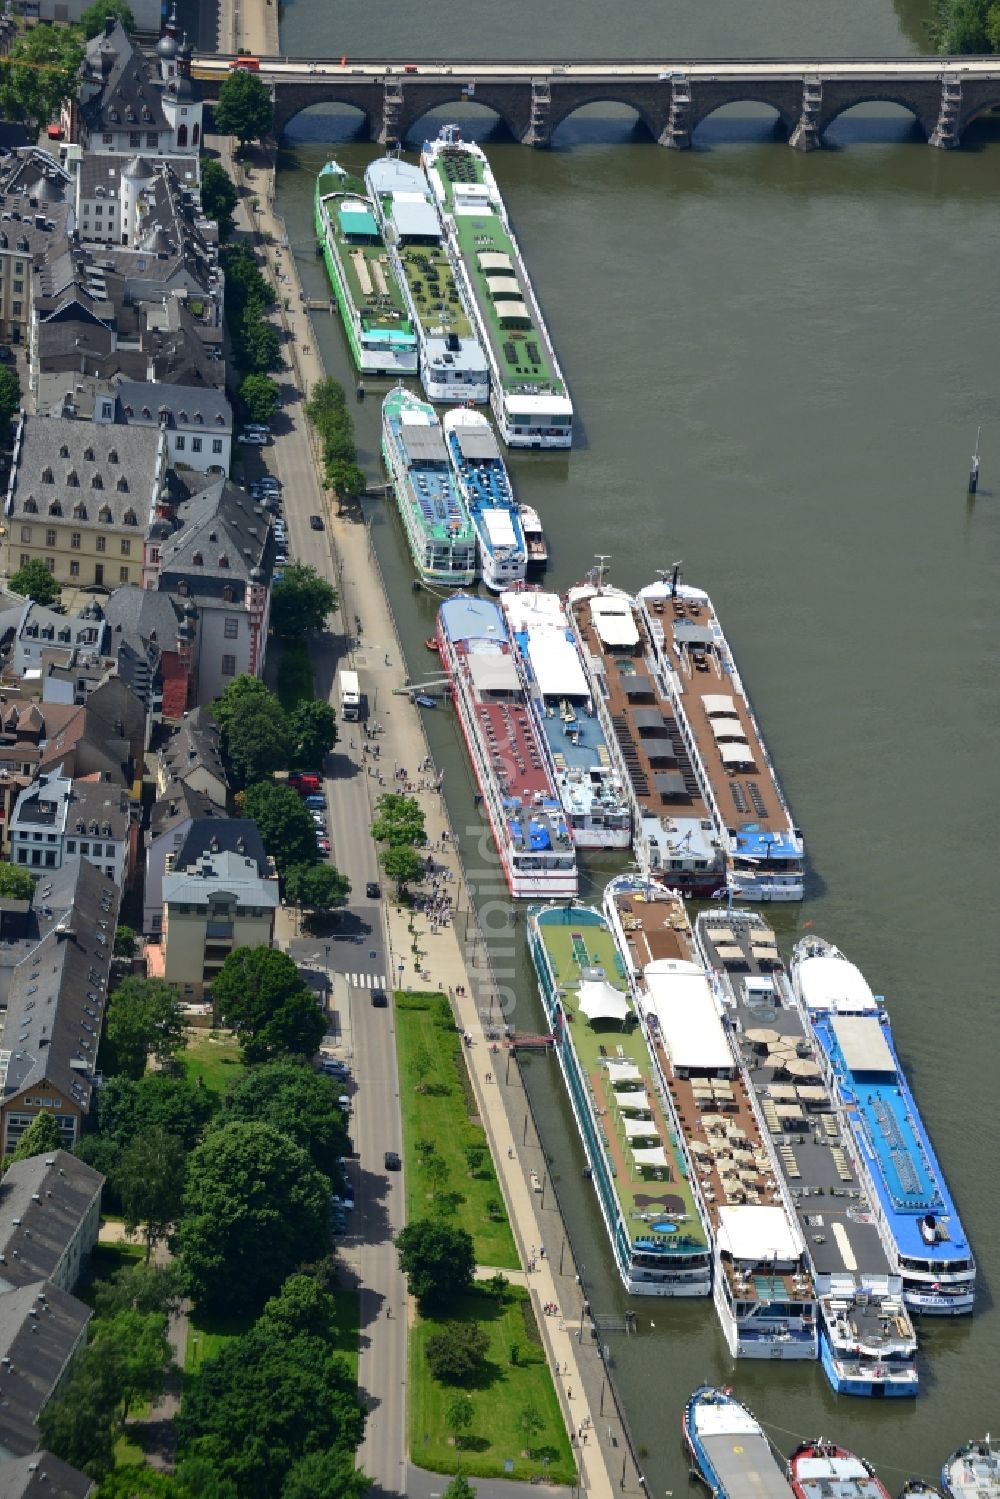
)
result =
(944, 94)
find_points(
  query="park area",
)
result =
(449, 1171)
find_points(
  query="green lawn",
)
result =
(436, 1100)
(505, 1391)
(348, 1326)
(207, 1334)
(295, 679)
(216, 1062)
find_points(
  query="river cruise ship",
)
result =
(822, 1470)
(917, 1219)
(378, 324)
(590, 788)
(453, 366)
(527, 390)
(867, 1342)
(729, 1449)
(672, 826)
(509, 759)
(762, 1286)
(973, 1472)
(724, 742)
(625, 1123)
(438, 528)
(482, 477)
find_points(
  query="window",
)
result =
(229, 666)
(19, 267)
(107, 412)
(98, 212)
(74, 541)
(182, 136)
(196, 444)
(123, 574)
(71, 845)
(19, 287)
(154, 554)
(74, 569)
(102, 543)
(126, 547)
(179, 444)
(25, 533)
(85, 848)
(107, 138)
(50, 563)
(195, 134)
(152, 139)
(135, 139)
(50, 538)
(25, 557)
(216, 444)
(232, 630)
(15, 308)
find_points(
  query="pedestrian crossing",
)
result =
(366, 980)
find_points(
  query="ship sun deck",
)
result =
(434, 292)
(725, 732)
(675, 816)
(433, 496)
(781, 1062)
(649, 1172)
(370, 278)
(709, 1097)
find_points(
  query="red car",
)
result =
(323, 844)
(305, 782)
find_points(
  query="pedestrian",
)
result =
(541, 1251)
(387, 658)
(569, 1393)
(510, 1152)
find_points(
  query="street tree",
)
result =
(254, 1208)
(127, 1107)
(313, 726)
(218, 195)
(258, 342)
(150, 1182)
(256, 738)
(16, 883)
(258, 993)
(34, 581)
(40, 72)
(474, 1154)
(301, 1103)
(402, 866)
(347, 480)
(317, 887)
(144, 1020)
(260, 396)
(40, 1138)
(330, 1474)
(125, 940)
(139, 1288)
(244, 108)
(438, 1261)
(10, 401)
(530, 1423)
(284, 823)
(457, 1354)
(93, 18)
(301, 602)
(459, 1488)
(458, 1417)
(399, 820)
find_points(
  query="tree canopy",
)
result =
(402, 865)
(244, 108)
(284, 823)
(260, 396)
(10, 400)
(438, 1261)
(456, 1354)
(144, 1020)
(259, 994)
(256, 739)
(33, 579)
(277, 1409)
(399, 820)
(299, 1102)
(127, 1107)
(41, 1137)
(218, 195)
(313, 726)
(254, 1208)
(40, 72)
(92, 20)
(301, 602)
(16, 883)
(318, 887)
(150, 1182)
(967, 26)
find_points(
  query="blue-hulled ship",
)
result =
(916, 1216)
(592, 791)
(728, 1448)
(482, 477)
(438, 529)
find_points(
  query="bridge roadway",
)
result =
(944, 94)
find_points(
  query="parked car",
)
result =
(344, 1102)
(316, 522)
(392, 1161)
(257, 427)
(315, 800)
(306, 781)
(323, 844)
(380, 1000)
(373, 890)
(335, 1067)
(270, 482)
(254, 439)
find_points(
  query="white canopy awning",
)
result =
(680, 997)
(653, 1155)
(832, 983)
(556, 664)
(863, 1045)
(493, 671)
(640, 1129)
(621, 1072)
(614, 620)
(503, 286)
(512, 312)
(600, 1000)
(631, 1100)
(719, 705)
(494, 261)
(736, 754)
(726, 729)
(758, 1235)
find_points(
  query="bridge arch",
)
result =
(783, 114)
(563, 110)
(511, 111)
(331, 121)
(925, 118)
(476, 118)
(977, 114)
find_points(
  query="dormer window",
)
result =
(130, 518)
(122, 485)
(199, 419)
(97, 482)
(79, 511)
(183, 417)
(146, 412)
(220, 420)
(104, 515)
(47, 476)
(229, 594)
(113, 452)
(55, 508)
(223, 560)
(182, 587)
(31, 505)
(198, 559)
(88, 453)
(73, 479)
(64, 451)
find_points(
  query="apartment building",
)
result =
(220, 902)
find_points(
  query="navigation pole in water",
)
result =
(974, 465)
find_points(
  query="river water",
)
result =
(779, 363)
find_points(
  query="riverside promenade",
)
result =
(599, 1439)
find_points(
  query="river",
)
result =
(779, 363)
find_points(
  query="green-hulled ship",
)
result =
(378, 324)
(441, 535)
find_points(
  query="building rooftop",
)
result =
(43, 1201)
(143, 403)
(226, 872)
(117, 90)
(40, 1330)
(180, 804)
(97, 477)
(194, 745)
(223, 536)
